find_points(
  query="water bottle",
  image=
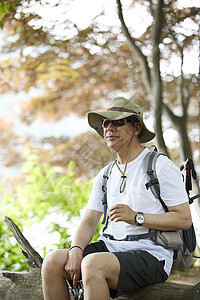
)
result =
(118, 228)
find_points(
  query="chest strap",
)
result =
(149, 235)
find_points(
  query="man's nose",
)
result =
(110, 126)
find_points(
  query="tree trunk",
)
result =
(152, 79)
(165, 291)
(180, 124)
(28, 286)
(184, 140)
(157, 88)
(21, 285)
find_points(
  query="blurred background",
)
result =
(60, 59)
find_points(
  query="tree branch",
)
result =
(34, 258)
(142, 58)
(157, 89)
(175, 119)
(192, 11)
(157, 30)
(181, 85)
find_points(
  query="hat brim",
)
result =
(95, 121)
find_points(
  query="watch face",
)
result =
(140, 218)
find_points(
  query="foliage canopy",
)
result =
(80, 70)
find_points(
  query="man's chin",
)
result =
(111, 145)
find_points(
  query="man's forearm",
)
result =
(167, 221)
(86, 229)
(82, 236)
(178, 217)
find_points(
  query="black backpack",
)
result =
(183, 242)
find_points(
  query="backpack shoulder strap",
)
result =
(149, 165)
(106, 175)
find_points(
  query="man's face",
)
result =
(118, 138)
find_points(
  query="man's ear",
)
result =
(138, 128)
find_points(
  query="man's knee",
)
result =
(54, 261)
(90, 266)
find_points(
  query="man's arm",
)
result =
(82, 237)
(178, 217)
(86, 228)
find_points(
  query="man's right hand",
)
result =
(81, 237)
(73, 265)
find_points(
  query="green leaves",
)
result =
(46, 190)
(11, 257)
(5, 7)
(48, 187)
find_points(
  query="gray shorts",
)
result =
(138, 269)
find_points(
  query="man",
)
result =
(112, 267)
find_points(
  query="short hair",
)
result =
(134, 120)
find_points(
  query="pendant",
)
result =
(123, 184)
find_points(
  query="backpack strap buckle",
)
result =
(151, 182)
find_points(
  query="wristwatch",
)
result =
(139, 219)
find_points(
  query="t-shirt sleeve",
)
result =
(96, 196)
(172, 189)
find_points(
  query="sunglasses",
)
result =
(117, 123)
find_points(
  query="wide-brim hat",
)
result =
(119, 108)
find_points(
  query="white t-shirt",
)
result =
(140, 199)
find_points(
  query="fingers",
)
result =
(73, 266)
(122, 212)
(116, 208)
(75, 280)
(116, 212)
(74, 276)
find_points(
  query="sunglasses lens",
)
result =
(106, 123)
(117, 123)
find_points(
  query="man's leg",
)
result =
(100, 271)
(54, 276)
